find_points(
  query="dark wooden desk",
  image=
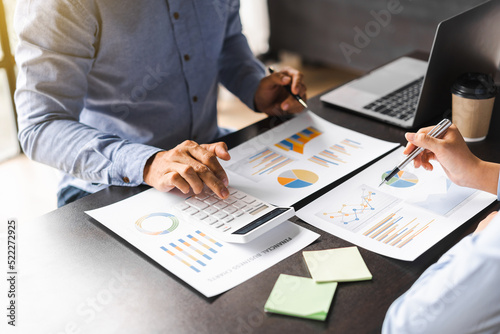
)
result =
(77, 277)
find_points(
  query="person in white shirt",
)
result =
(459, 293)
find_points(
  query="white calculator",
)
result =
(239, 218)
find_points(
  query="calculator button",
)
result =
(211, 200)
(239, 195)
(191, 211)
(201, 196)
(230, 209)
(210, 210)
(218, 224)
(227, 219)
(238, 213)
(197, 204)
(230, 200)
(248, 200)
(220, 215)
(200, 215)
(248, 208)
(210, 220)
(239, 204)
(182, 206)
(220, 205)
(226, 228)
(233, 191)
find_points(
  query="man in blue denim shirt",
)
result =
(121, 92)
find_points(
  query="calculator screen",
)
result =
(261, 220)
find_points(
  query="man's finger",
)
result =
(209, 159)
(219, 149)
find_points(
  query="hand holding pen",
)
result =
(271, 96)
(436, 132)
(451, 151)
(289, 90)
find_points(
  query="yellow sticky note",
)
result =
(337, 265)
(301, 297)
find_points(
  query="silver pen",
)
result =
(436, 131)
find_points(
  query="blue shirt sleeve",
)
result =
(458, 294)
(240, 72)
(52, 85)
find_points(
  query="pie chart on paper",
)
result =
(401, 179)
(297, 178)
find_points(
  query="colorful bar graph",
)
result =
(332, 155)
(187, 244)
(192, 249)
(198, 241)
(389, 232)
(185, 253)
(209, 238)
(261, 164)
(297, 141)
(179, 259)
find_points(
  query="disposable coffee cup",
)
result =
(473, 96)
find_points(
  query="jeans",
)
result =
(69, 194)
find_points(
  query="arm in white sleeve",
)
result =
(458, 294)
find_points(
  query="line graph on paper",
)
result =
(355, 211)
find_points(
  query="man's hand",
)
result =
(451, 151)
(189, 166)
(273, 99)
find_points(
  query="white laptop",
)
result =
(407, 91)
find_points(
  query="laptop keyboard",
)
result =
(401, 103)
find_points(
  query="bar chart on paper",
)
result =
(195, 252)
(336, 154)
(397, 230)
(297, 141)
(260, 164)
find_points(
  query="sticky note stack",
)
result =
(301, 297)
(311, 298)
(337, 265)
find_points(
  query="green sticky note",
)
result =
(337, 265)
(301, 297)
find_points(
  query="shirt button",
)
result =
(126, 179)
(176, 15)
(186, 57)
(195, 98)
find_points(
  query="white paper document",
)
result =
(208, 265)
(295, 159)
(401, 219)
